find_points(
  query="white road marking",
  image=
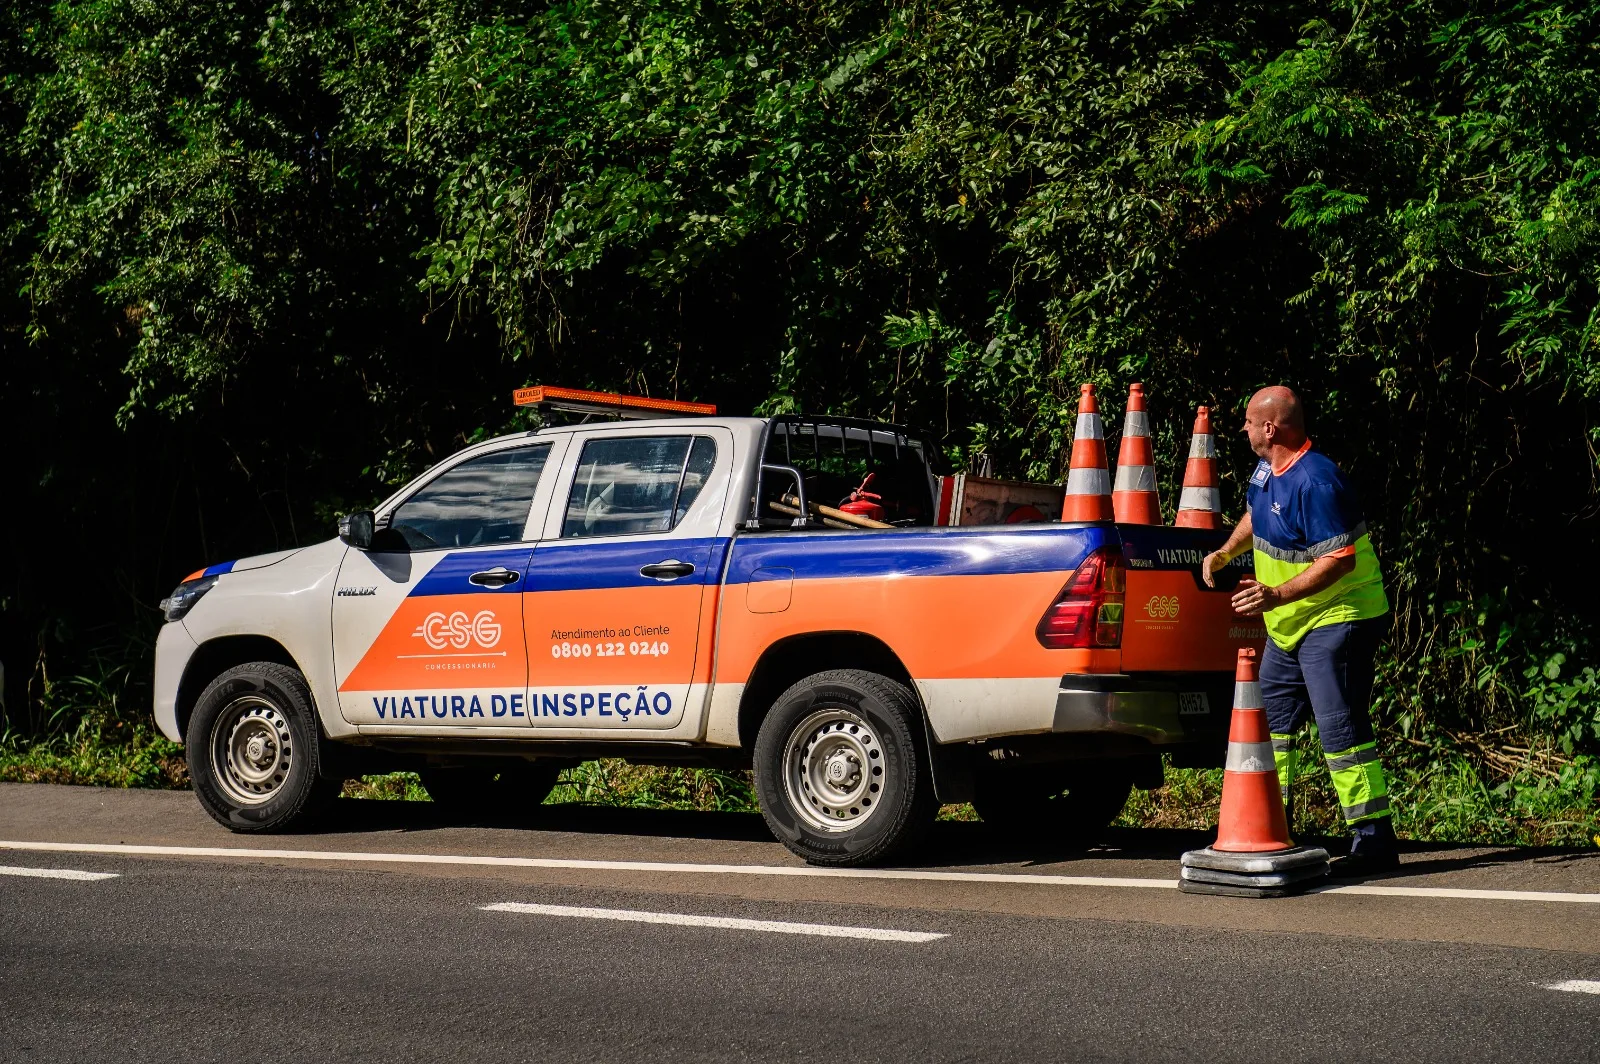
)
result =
(693, 868)
(727, 923)
(55, 873)
(1460, 892)
(1577, 986)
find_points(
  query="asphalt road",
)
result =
(385, 949)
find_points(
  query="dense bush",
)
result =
(263, 259)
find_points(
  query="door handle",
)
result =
(667, 570)
(499, 576)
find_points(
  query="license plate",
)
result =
(1193, 703)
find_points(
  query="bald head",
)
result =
(1275, 422)
(1280, 406)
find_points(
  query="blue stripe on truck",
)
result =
(576, 565)
(584, 564)
(919, 552)
(587, 564)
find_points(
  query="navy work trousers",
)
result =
(1328, 676)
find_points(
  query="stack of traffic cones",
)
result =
(1088, 478)
(1134, 496)
(1200, 505)
(1253, 857)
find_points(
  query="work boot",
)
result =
(1374, 851)
(1362, 865)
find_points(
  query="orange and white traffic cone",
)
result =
(1133, 496)
(1088, 478)
(1252, 818)
(1253, 856)
(1200, 504)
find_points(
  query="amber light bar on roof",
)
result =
(585, 402)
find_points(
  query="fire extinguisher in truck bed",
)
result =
(864, 503)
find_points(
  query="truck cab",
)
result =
(701, 591)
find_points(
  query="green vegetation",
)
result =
(91, 737)
(609, 782)
(260, 263)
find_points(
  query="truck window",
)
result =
(633, 484)
(702, 456)
(482, 500)
(835, 455)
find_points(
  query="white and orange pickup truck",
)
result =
(664, 591)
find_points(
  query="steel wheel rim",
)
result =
(252, 750)
(834, 770)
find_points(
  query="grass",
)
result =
(136, 756)
(611, 781)
(1440, 795)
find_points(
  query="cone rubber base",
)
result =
(1272, 862)
(1253, 875)
(1256, 879)
(1188, 886)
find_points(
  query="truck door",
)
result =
(617, 590)
(428, 629)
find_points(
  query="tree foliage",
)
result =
(262, 259)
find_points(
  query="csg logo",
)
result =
(457, 630)
(1164, 607)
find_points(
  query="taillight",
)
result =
(1088, 612)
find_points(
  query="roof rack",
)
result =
(607, 404)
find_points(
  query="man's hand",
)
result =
(1238, 542)
(1211, 565)
(1255, 598)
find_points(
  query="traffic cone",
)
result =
(1253, 818)
(1200, 505)
(1134, 498)
(1088, 479)
(1253, 856)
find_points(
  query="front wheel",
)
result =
(255, 751)
(840, 769)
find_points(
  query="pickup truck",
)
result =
(665, 591)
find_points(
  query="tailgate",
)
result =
(1172, 621)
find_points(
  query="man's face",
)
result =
(1258, 428)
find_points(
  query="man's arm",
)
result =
(1244, 534)
(1324, 572)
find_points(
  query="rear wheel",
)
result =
(840, 769)
(1074, 799)
(497, 788)
(255, 751)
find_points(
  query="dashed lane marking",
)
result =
(726, 923)
(693, 868)
(1576, 986)
(55, 873)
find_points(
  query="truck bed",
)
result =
(960, 609)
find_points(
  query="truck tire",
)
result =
(1075, 800)
(492, 789)
(255, 749)
(840, 770)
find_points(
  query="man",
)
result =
(1320, 592)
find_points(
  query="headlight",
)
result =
(185, 595)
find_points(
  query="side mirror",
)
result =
(357, 529)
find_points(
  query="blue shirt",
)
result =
(1301, 513)
(1307, 509)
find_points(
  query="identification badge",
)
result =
(1263, 471)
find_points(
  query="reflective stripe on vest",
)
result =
(1355, 596)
